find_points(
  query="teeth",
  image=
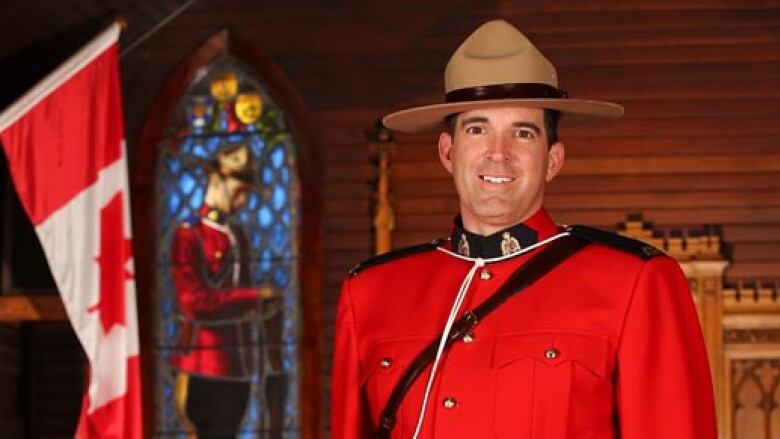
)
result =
(494, 179)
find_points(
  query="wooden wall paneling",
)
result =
(753, 269)
(756, 251)
(586, 76)
(55, 368)
(11, 412)
(643, 16)
(751, 233)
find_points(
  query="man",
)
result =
(219, 306)
(597, 339)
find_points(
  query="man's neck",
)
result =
(487, 228)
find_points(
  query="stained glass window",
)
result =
(227, 275)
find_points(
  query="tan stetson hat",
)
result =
(497, 66)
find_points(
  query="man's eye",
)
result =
(524, 134)
(474, 130)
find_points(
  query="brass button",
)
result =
(468, 338)
(485, 274)
(218, 254)
(449, 402)
(386, 362)
(551, 354)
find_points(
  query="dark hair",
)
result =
(551, 119)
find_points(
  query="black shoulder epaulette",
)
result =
(628, 245)
(393, 255)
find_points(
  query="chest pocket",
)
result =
(385, 363)
(550, 383)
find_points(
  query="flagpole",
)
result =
(122, 22)
(61, 74)
(176, 12)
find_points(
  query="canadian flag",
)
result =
(65, 145)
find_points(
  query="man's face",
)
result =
(233, 160)
(500, 161)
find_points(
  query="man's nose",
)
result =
(497, 148)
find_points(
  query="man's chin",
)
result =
(492, 220)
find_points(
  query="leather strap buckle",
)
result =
(464, 325)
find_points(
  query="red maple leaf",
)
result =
(115, 251)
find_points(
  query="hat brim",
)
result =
(417, 119)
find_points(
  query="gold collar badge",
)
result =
(463, 245)
(509, 244)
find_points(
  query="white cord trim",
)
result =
(464, 286)
(455, 309)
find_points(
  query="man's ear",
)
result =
(445, 151)
(555, 159)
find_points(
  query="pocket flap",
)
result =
(553, 348)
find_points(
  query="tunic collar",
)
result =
(504, 242)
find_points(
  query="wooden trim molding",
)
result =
(32, 308)
(310, 231)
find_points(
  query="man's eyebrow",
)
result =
(474, 119)
(530, 125)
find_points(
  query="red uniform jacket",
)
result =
(629, 359)
(207, 270)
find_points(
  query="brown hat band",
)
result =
(506, 91)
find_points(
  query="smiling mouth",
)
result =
(496, 179)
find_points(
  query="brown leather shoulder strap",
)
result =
(541, 264)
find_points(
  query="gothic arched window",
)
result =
(227, 262)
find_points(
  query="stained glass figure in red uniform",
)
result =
(222, 312)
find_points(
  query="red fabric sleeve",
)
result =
(196, 299)
(664, 388)
(349, 414)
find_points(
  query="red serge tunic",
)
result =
(214, 304)
(606, 345)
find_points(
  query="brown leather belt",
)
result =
(530, 272)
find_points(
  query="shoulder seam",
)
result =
(632, 246)
(393, 255)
